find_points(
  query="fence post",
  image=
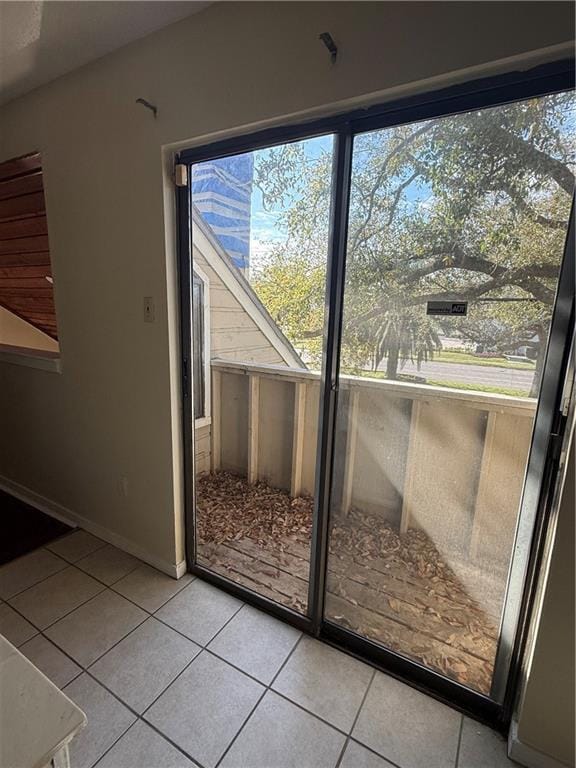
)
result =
(298, 438)
(253, 428)
(411, 470)
(351, 441)
(216, 406)
(482, 503)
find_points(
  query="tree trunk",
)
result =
(392, 363)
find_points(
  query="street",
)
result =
(511, 378)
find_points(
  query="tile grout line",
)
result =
(45, 548)
(51, 624)
(349, 735)
(84, 602)
(203, 648)
(265, 691)
(138, 562)
(85, 670)
(137, 715)
(376, 754)
(140, 715)
(152, 614)
(182, 588)
(459, 741)
(35, 584)
(153, 728)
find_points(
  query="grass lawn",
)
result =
(480, 388)
(450, 384)
(467, 358)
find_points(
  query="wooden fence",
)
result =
(445, 460)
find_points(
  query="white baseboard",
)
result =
(65, 515)
(526, 755)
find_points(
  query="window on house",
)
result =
(198, 347)
(27, 312)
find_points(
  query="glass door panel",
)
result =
(457, 228)
(260, 223)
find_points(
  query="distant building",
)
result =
(222, 194)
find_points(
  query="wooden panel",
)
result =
(253, 428)
(20, 271)
(40, 319)
(276, 432)
(25, 205)
(24, 247)
(24, 282)
(34, 225)
(202, 450)
(216, 459)
(298, 438)
(25, 307)
(21, 186)
(506, 447)
(310, 438)
(34, 304)
(447, 452)
(351, 442)
(19, 166)
(380, 456)
(40, 293)
(24, 244)
(412, 468)
(31, 259)
(234, 423)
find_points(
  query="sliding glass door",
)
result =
(259, 224)
(377, 309)
(456, 235)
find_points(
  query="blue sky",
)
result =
(265, 227)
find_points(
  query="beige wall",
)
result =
(113, 411)
(546, 715)
(19, 333)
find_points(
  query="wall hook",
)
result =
(149, 106)
(328, 41)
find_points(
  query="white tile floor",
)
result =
(177, 674)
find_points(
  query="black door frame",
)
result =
(478, 94)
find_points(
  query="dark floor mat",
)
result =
(24, 528)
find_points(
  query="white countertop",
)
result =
(36, 718)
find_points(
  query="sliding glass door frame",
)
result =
(549, 422)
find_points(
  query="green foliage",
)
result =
(469, 206)
(291, 287)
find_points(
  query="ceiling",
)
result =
(41, 40)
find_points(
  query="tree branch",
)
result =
(381, 175)
(528, 211)
(539, 159)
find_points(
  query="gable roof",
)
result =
(235, 281)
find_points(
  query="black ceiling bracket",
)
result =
(328, 41)
(149, 106)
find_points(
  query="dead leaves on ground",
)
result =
(230, 509)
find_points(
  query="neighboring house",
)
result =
(229, 323)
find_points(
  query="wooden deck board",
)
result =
(407, 615)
